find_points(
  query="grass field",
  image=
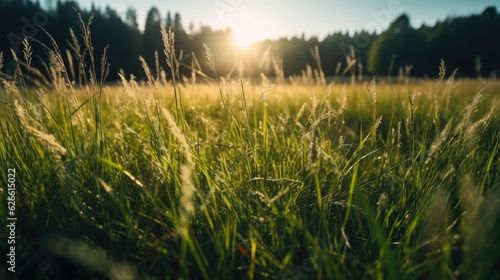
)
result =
(257, 180)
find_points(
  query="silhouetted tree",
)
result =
(131, 18)
(177, 23)
(400, 40)
(152, 40)
(168, 23)
(458, 41)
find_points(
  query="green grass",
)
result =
(289, 181)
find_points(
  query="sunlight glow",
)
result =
(247, 30)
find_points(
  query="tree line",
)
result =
(468, 43)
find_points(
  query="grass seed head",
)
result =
(168, 44)
(187, 190)
(210, 58)
(151, 80)
(469, 111)
(411, 118)
(342, 101)
(27, 53)
(437, 144)
(179, 136)
(47, 140)
(104, 65)
(105, 186)
(400, 136)
(125, 83)
(75, 45)
(341, 142)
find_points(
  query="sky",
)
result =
(256, 20)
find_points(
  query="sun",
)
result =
(247, 30)
(243, 40)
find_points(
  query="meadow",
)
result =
(236, 178)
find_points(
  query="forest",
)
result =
(469, 44)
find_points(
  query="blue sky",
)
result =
(254, 20)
